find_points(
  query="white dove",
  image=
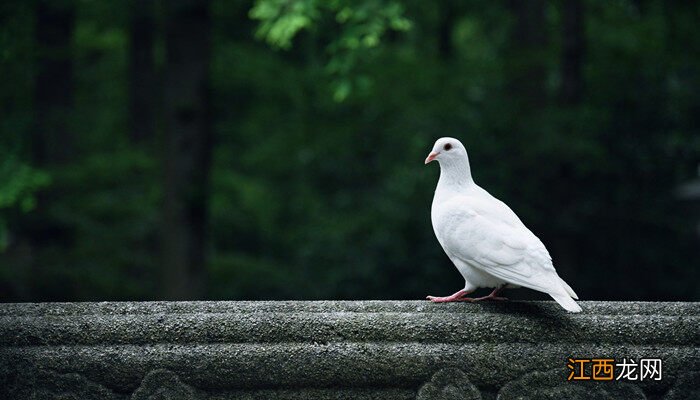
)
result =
(484, 238)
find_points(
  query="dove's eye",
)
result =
(447, 147)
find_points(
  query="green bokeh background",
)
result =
(585, 120)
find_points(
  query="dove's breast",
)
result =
(449, 216)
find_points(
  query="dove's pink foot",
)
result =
(493, 295)
(459, 296)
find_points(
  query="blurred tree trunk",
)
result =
(528, 50)
(142, 86)
(188, 141)
(574, 47)
(447, 22)
(570, 95)
(53, 142)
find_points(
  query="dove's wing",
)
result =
(493, 239)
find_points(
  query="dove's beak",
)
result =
(431, 156)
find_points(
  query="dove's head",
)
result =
(454, 163)
(447, 150)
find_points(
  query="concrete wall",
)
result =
(341, 350)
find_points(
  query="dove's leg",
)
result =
(493, 295)
(459, 296)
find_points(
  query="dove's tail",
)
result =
(568, 289)
(566, 302)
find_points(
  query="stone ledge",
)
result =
(339, 350)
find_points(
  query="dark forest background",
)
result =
(178, 149)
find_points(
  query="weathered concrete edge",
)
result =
(365, 306)
(33, 324)
(300, 327)
(348, 357)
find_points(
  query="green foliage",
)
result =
(19, 181)
(281, 20)
(18, 186)
(361, 26)
(362, 23)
